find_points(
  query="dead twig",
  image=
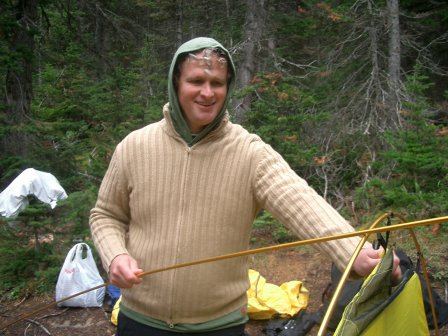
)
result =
(40, 325)
(91, 177)
(55, 314)
(21, 301)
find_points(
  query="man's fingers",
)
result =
(124, 271)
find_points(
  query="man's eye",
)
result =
(196, 81)
(218, 84)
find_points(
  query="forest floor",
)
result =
(304, 264)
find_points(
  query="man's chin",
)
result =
(205, 117)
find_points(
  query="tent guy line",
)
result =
(392, 227)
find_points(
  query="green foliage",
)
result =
(74, 213)
(283, 115)
(412, 174)
(278, 231)
(26, 264)
(308, 28)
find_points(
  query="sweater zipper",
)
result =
(179, 225)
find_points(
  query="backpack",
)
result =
(352, 287)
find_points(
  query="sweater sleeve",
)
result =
(109, 219)
(298, 206)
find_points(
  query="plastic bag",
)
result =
(79, 273)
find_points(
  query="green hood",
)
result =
(176, 114)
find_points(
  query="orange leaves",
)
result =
(324, 74)
(320, 160)
(405, 113)
(334, 17)
(274, 77)
(324, 8)
(331, 14)
(301, 10)
(273, 85)
(271, 78)
(291, 138)
(442, 131)
(282, 96)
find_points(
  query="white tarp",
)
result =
(43, 185)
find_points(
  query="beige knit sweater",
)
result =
(165, 203)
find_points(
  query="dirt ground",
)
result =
(304, 264)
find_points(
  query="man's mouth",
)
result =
(206, 104)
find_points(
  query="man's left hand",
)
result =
(368, 258)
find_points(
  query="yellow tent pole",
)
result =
(395, 227)
(424, 222)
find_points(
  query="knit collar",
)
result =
(172, 131)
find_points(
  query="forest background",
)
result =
(353, 94)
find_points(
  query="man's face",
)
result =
(202, 88)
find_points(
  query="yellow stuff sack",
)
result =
(266, 300)
(115, 311)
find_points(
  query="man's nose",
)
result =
(207, 90)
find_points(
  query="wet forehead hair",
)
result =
(204, 56)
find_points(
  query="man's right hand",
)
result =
(123, 271)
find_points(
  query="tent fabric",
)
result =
(44, 186)
(266, 300)
(382, 309)
(351, 287)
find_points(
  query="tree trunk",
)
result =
(99, 38)
(180, 22)
(18, 79)
(394, 60)
(252, 33)
(229, 23)
(373, 94)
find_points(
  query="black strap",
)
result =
(380, 240)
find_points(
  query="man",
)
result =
(189, 187)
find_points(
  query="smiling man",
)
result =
(188, 188)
